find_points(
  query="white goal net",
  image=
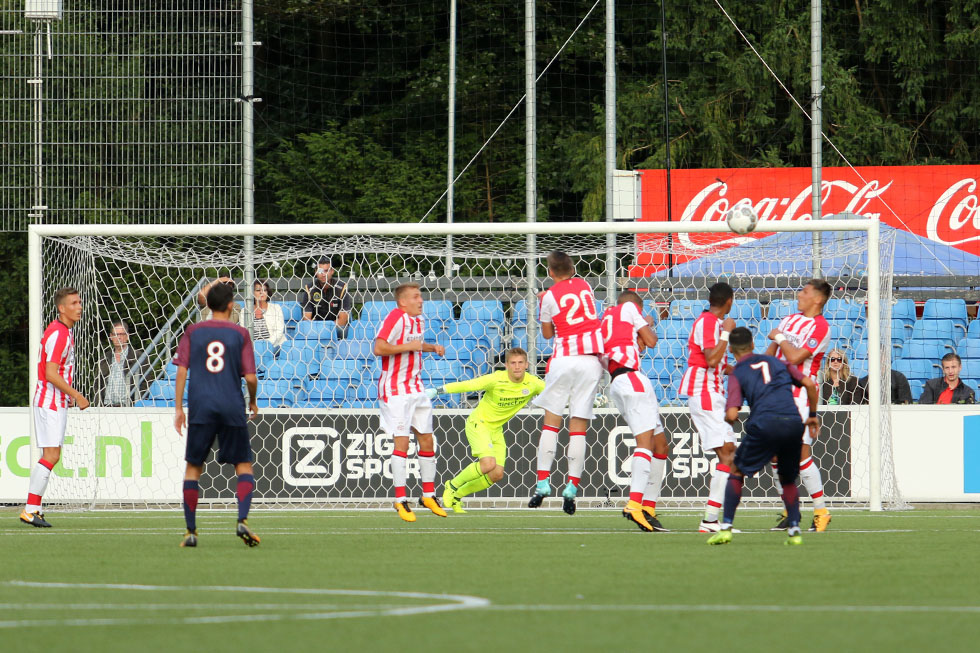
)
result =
(318, 440)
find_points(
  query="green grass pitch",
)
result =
(487, 580)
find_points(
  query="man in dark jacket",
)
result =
(117, 371)
(901, 390)
(949, 388)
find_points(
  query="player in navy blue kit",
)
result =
(772, 429)
(218, 354)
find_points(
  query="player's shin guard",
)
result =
(399, 472)
(716, 492)
(482, 482)
(427, 470)
(810, 476)
(547, 445)
(38, 483)
(244, 490)
(791, 499)
(470, 473)
(733, 497)
(639, 473)
(658, 469)
(192, 491)
(576, 457)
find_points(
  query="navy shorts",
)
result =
(233, 443)
(766, 437)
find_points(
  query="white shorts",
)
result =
(401, 413)
(571, 381)
(49, 426)
(803, 405)
(633, 395)
(710, 423)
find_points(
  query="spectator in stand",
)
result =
(117, 378)
(268, 322)
(325, 297)
(839, 386)
(202, 299)
(901, 390)
(949, 388)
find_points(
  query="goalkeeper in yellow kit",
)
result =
(504, 393)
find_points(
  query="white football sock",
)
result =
(810, 475)
(547, 445)
(576, 457)
(658, 469)
(639, 473)
(399, 472)
(716, 492)
(38, 483)
(775, 479)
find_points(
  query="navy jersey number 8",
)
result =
(215, 361)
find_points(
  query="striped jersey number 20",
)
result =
(580, 303)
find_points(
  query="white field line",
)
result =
(897, 609)
(484, 513)
(417, 531)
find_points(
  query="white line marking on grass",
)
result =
(898, 609)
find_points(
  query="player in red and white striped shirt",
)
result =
(707, 349)
(53, 395)
(568, 315)
(801, 339)
(405, 409)
(632, 393)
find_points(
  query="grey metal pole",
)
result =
(816, 127)
(610, 147)
(451, 137)
(530, 177)
(37, 81)
(248, 150)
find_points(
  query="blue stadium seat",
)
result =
(780, 308)
(686, 309)
(277, 393)
(323, 393)
(307, 352)
(915, 385)
(746, 311)
(164, 390)
(437, 309)
(469, 352)
(671, 349)
(485, 311)
(292, 314)
(974, 384)
(917, 368)
(971, 368)
(316, 330)
(657, 368)
(355, 350)
(674, 329)
(973, 331)
(945, 309)
(843, 309)
(346, 370)
(486, 333)
(901, 330)
(859, 367)
(363, 329)
(441, 368)
(459, 349)
(650, 308)
(376, 311)
(860, 350)
(765, 326)
(904, 309)
(946, 331)
(367, 391)
(930, 350)
(544, 345)
(520, 312)
(969, 348)
(844, 332)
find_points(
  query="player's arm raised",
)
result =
(717, 353)
(794, 355)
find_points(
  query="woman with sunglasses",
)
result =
(839, 385)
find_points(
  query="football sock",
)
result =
(658, 467)
(716, 492)
(37, 484)
(547, 445)
(775, 479)
(427, 470)
(192, 490)
(791, 499)
(576, 456)
(639, 473)
(244, 490)
(399, 472)
(469, 473)
(810, 476)
(482, 482)
(733, 496)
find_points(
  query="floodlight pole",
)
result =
(816, 128)
(248, 151)
(530, 178)
(610, 148)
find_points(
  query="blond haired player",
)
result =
(568, 315)
(52, 396)
(624, 333)
(405, 408)
(504, 393)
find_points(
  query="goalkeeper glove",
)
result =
(431, 393)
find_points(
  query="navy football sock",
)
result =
(191, 492)
(733, 496)
(246, 485)
(791, 499)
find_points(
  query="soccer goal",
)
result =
(318, 440)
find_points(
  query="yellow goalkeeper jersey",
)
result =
(502, 398)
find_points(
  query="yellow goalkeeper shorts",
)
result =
(486, 442)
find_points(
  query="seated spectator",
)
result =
(949, 388)
(839, 385)
(268, 322)
(901, 390)
(202, 300)
(325, 297)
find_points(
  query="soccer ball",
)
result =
(600, 401)
(742, 219)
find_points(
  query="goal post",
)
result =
(492, 262)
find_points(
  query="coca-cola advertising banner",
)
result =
(937, 202)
